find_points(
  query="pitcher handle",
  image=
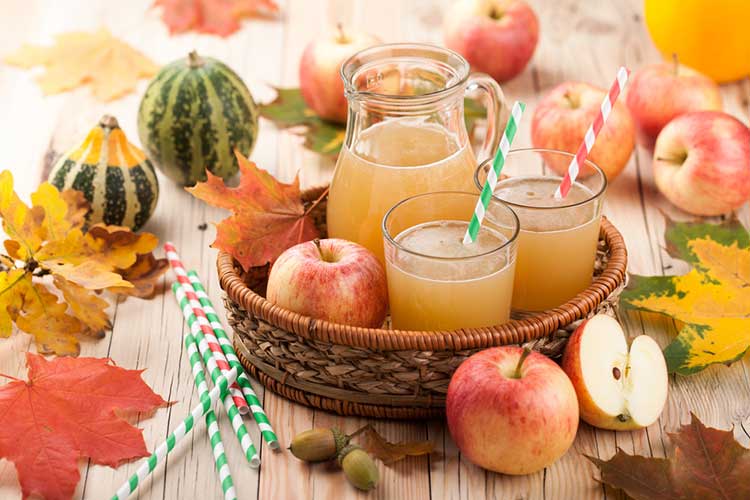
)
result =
(498, 112)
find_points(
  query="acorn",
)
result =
(359, 467)
(319, 444)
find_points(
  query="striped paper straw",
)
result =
(214, 436)
(492, 176)
(199, 345)
(179, 271)
(226, 346)
(148, 465)
(220, 459)
(588, 140)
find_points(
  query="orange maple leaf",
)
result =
(269, 216)
(111, 66)
(65, 412)
(219, 17)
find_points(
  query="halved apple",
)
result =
(617, 388)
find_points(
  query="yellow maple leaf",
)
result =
(47, 239)
(711, 301)
(111, 66)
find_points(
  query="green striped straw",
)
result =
(246, 443)
(226, 346)
(494, 174)
(220, 459)
(148, 465)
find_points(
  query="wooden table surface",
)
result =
(580, 40)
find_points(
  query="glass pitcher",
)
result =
(405, 134)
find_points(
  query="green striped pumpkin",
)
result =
(114, 175)
(196, 112)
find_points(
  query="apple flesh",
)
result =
(334, 280)
(564, 115)
(509, 414)
(618, 388)
(319, 72)
(497, 37)
(702, 162)
(658, 93)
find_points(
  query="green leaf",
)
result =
(289, 111)
(711, 302)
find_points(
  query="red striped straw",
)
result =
(588, 140)
(179, 270)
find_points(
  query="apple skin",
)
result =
(702, 162)
(509, 425)
(658, 93)
(499, 47)
(565, 113)
(590, 413)
(319, 72)
(342, 283)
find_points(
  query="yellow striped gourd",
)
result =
(114, 175)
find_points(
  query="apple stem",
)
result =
(342, 34)
(524, 355)
(678, 159)
(571, 101)
(676, 61)
(317, 245)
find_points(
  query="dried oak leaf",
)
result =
(143, 275)
(47, 239)
(711, 301)
(707, 464)
(388, 452)
(111, 66)
(66, 411)
(218, 17)
(268, 215)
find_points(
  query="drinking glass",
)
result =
(435, 282)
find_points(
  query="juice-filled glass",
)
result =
(405, 134)
(558, 238)
(435, 282)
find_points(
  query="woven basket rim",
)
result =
(515, 331)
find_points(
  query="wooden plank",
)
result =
(147, 334)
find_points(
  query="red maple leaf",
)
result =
(65, 412)
(269, 216)
(219, 17)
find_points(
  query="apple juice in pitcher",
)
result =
(405, 134)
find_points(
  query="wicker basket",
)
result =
(381, 372)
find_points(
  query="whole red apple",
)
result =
(497, 37)
(702, 162)
(660, 92)
(335, 280)
(319, 77)
(562, 117)
(511, 411)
